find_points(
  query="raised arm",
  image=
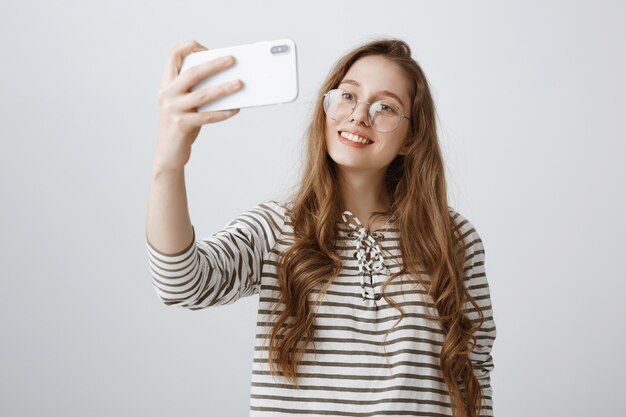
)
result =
(168, 224)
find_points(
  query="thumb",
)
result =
(198, 47)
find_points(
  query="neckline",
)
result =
(358, 224)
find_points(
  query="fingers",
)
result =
(197, 73)
(205, 95)
(203, 117)
(175, 59)
(178, 105)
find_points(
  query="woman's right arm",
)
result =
(168, 227)
(223, 267)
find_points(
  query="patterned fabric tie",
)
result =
(368, 253)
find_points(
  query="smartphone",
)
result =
(268, 69)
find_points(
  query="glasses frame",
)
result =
(369, 117)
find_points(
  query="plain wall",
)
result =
(530, 99)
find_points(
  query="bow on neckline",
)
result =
(368, 253)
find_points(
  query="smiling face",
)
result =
(368, 79)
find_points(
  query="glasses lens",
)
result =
(338, 105)
(385, 117)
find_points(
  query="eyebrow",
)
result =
(382, 92)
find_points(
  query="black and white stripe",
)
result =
(349, 375)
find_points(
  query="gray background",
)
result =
(529, 98)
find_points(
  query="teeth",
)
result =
(354, 138)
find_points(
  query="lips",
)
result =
(354, 132)
(351, 143)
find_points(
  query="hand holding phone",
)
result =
(268, 70)
(178, 121)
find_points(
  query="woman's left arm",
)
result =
(476, 281)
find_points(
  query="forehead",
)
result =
(376, 73)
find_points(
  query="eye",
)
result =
(347, 96)
(390, 109)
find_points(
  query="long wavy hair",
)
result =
(417, 189)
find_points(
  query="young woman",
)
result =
(373, 298)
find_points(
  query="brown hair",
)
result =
(416, 185)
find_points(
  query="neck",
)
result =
(363, 193)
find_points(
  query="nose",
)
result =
(359, 114)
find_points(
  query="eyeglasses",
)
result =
(383, 116)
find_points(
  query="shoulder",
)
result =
(268, 214)
(474, 263)
(274, 212)
(274, 206)
(467, 230)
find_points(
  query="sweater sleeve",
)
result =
(476, 281)
(221, 268)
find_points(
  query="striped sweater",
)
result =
(349, 375)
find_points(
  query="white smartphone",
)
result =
(268, 69)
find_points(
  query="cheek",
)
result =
(390, 147)
(400, 140)
(330, 132)
(330, 124)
